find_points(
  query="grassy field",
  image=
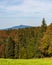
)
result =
(45, 61)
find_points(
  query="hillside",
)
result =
(26, 43)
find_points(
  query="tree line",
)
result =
(26, 43)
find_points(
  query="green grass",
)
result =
(45, 61)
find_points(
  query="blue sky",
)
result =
(24, 12)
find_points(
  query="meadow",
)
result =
(44, 61)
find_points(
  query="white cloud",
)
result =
(30, 7)
(26, 10)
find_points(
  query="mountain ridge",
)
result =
(17, 27)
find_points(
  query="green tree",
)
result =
(9, 48)
(43, 26)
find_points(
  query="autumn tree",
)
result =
(46, 42)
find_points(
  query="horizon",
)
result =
(24, 12)
(18, 26)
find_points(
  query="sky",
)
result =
(24, 12)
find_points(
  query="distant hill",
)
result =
(19, 27)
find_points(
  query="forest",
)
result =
(26, 43)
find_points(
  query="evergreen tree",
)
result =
(16, 50)
(43, 26)
(9, 48)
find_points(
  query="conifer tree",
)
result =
(9, 48)
(43, 26)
